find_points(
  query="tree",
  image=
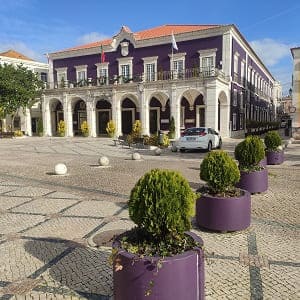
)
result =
(19, 88)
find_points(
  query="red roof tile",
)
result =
(15, 54)
(164, 30)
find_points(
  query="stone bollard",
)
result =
(135, 156)
(60, 169)
(103, 161)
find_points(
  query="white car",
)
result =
(199, 138)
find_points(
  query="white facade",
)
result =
(27, 117)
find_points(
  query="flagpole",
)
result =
(172, 64)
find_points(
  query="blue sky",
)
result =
(35, 27)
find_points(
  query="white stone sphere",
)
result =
(157, 151)
(136, 156)
(103, 161)
(60, 169)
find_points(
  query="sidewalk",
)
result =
(47, 222)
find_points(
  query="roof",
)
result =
(156, 32)
(14, 54)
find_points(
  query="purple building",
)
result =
(202, 75)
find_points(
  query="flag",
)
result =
(174, 45)
(48, 58)
(102, 55)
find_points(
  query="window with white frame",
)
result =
(125, 67)
(150, 68)
(252, 77)
(241, 99)
(236, 66)
(207, 60)
(243, 72)
(177, 63)
(249, 75)
(234, 121)
(241, 121)
(234, 100)
(61, 74)
(81, 73)
(102, 73)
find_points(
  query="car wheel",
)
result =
(220, 144)
(182, 150)
(209, 146)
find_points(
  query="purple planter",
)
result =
(254, 182)
(275, 157)
(181, 276)
(263, 162)
(224, 214)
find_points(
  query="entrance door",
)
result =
(33, 125)
(153, 121)
(202, 116)
(103, 117)
(127, 121)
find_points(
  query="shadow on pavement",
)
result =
(83, 270)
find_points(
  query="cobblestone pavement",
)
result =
(47, 222)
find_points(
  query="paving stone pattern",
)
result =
(47, 222)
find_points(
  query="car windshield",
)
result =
(194, 131)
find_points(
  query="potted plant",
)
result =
(159, 258)
(61, 128)
(84, 127)
(253, 174)
(222, 206)
(172, 128)
(274, 151)
(111, 128)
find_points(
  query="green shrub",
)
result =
(249, 152)
(151, 140)
(220, 172)
(162, 203)
(272, 140)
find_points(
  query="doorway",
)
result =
(127, 121)
(103, 119)
(153, 121)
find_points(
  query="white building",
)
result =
(25, 121)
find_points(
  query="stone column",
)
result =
(144, 110)
(27, 116)
(68, 116)
(116, 113)
(211, 111)
(46, 116)
(175, 110)
(91, 117)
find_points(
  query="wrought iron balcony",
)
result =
(186, 74)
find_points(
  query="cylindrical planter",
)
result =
(224, 213)
(254, 182)
(275, 157)
(263, 162)
(180, 277)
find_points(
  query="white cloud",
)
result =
(91, 37)
(270, 51)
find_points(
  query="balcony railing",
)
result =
(185, 74)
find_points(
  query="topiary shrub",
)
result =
(249, 153)
(220, 172)
(161, 204)
(272, 140)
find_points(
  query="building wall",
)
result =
(162, 51)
